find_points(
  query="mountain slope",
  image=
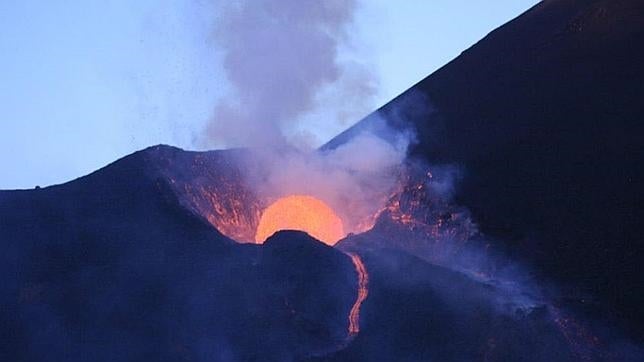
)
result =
(417, 311)
(545, 117)
(115, 266)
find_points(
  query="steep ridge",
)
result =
(544, 117)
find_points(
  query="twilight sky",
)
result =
(86, 82)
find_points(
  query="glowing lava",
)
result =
(363, 291)
(301, 212)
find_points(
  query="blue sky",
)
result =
(86, 82)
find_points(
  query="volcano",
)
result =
(159, 256)
(121, 264)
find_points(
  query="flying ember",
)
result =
(301, 212)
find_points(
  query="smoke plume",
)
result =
(286, 64)
(278, 57)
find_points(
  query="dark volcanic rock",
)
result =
(417, 311)
(544, 115)
(212, 185)
(293, 264)
(114, 267)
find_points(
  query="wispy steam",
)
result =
(278, 56)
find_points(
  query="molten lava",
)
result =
(301, 212)
(363, 291)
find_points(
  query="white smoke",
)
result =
(278, 57)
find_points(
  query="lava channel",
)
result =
(363, 291)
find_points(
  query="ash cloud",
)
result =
(278, 57)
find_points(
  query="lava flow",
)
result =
(363, 291)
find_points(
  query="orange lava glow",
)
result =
(301, 212)
(363, 292)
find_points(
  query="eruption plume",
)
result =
(277, 57)
(281, 59)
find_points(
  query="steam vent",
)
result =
(491, 212)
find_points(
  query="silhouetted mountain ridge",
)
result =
(544, 116)
(113, 266)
